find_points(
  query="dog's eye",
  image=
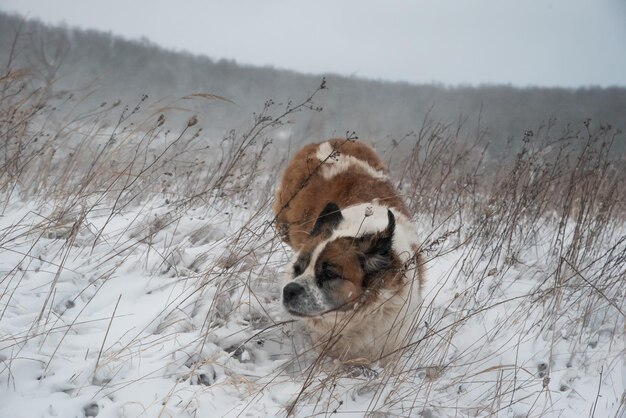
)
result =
(328, 273)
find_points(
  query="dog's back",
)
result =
(342, 171)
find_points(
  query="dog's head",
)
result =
(348, 255)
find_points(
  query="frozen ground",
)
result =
(154, 310)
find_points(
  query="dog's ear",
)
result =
(375, 250)
(327, 220)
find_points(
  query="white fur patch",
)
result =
(371, 217)
(336, 163)
(368, 218)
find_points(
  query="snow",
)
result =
(153, 310)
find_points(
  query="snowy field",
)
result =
(140, 276)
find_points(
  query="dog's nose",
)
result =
(291, 291)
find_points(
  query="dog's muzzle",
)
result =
(292, 291)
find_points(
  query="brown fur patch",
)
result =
(343, 255)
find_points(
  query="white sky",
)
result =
(523, 42)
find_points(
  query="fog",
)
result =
(567, 43)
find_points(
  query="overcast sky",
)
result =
(522, 42)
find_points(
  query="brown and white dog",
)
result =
(357, 274)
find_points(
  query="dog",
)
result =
(357, 274)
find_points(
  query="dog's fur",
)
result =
(357, 273)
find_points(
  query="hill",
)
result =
(104, 68)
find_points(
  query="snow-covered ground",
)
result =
(153, 310)
(140, 276)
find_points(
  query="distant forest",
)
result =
(101, 67)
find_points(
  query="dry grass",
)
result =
(518, 251)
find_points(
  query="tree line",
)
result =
(101, 67)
